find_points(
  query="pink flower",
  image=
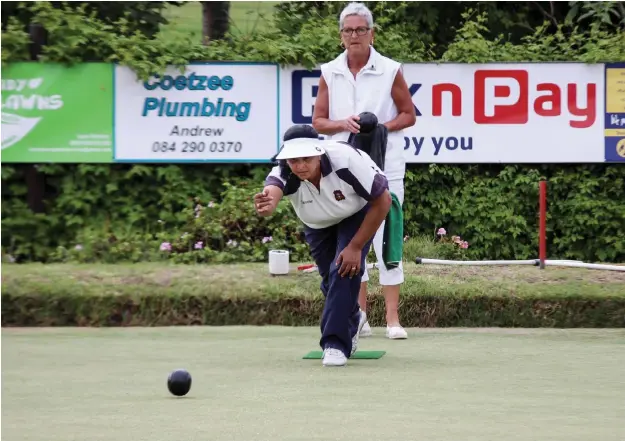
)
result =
(456, 239)
(267, 239)
(165, 246)
(199, 245)
(441, 232)
(464, 244)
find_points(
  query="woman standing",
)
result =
(362, 80)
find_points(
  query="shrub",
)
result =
(230, 230)
(212, 231)
(437, 246)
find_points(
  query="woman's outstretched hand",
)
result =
(263, 202)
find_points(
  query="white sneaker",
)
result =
(333, 357)
(396, 333)
(366, 330)
(361, 323)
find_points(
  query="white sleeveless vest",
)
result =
(370, 91)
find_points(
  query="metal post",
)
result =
(542, 233)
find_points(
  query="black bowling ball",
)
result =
(368, 122)
(179, 382)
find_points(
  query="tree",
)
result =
(145, 17)
(436, 23)
(215, 20)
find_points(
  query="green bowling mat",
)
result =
(359, 355)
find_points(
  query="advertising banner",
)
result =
(52, 113)
(488, 113)
(615, 112)
(212, 112)
(238, 112)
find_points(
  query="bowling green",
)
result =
(251, 383)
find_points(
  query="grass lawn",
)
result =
(245, 17)
(245, 280)
(251, 384)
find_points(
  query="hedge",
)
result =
(167, 295)
(133, 208)
(421, 311)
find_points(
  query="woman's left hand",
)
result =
(349, 261)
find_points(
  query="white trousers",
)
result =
(396, 275)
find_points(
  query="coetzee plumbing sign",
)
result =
(222, 112)
(238, 112)
(509, 113)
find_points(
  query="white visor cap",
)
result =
(301, 148)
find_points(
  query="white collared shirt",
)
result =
(349, 180)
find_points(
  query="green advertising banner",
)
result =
(53, 113)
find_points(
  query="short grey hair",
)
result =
(355, 8)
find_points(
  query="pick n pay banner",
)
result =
(499, 112)
(52, 113)
(511, 113)
(238, 112)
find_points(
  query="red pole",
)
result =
(542, 234)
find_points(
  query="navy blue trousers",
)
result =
(339, 322)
